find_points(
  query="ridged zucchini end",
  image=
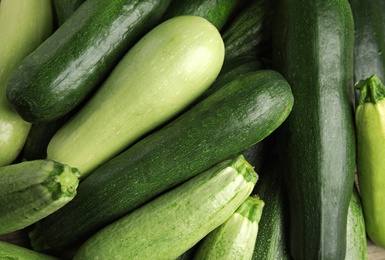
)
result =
(371, 90)
(252, 208)
(245, 168)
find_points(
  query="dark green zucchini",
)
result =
(217, 12)
(250, 32)
(273, 234)
(64, 70)
(369, 50)
(313, 48)
(240, 114)
(65, 8)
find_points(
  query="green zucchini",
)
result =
(217, 12)
(236, 237)
(30, 191)
(172, 223)
(78, 56)
(10, 251)
(160, 76)
(369, 44)
(370, 125)
(65, 8)
(240, 114)
(250, 32)
(317, 142)
(23, 26)
(356, 242)
(273, 233)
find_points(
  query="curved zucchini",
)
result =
(30, 191)
(172, 223)
(15, 252)
(370, 125)
(369, 44)
(78, 56)
(240, 114)
(160, 76)
(24, 25)
(235, 238)
(317, 142)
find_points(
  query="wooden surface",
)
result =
(375, 252)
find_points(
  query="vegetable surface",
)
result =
(240, 114)
(370, 125)
(23, 26)
(32, 190)
(78, 56)
(172, 223)
(15, 252)
(313, 49)
(159, 77)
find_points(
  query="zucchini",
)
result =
(317, 142)
(161, 75)
(65, 8)
(370, 125)
(356, 245)
(369, 44)
(172, 223)
(15, 252)
(235, 238)
(56, 77)
(216, 12)
(23, 26)
(240, 114)
(250, 32)
(273, 232)
(30, 191)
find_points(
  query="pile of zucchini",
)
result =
(195, 129)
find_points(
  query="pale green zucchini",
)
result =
(23, 26)
(235, 239)
(175, 221)
(10, 251)
(163, 73)
(31, 190)
(370, 125)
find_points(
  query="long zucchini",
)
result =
(240, 114)
(370, 125)
(313, 49)
(172, 223)
(30, 191)
(159, 77)
(78, 56)
(23, 26)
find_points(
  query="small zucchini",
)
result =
(235, 239)
(238, 115)
(172, 223)
(24, 25)
(31, 190)
(163, 73)
(370, 125)
(72, 63)
(10, 251)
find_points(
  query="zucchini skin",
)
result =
(235, 117)
(35, 190)
(313, 48)
(236, 237)
(15, 252)
(157, 79)
(65, 8)
(370, 125)
(77, 57)
(369, 45)
(20, 37)
(182, 216)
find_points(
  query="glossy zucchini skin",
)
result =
(370, 125)
(313, 48)
(19, 37)
(182, 216)
(217, 12)
(11, 251)
(369, 45)
(240, 114)
(78, 56)
(30, 191)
